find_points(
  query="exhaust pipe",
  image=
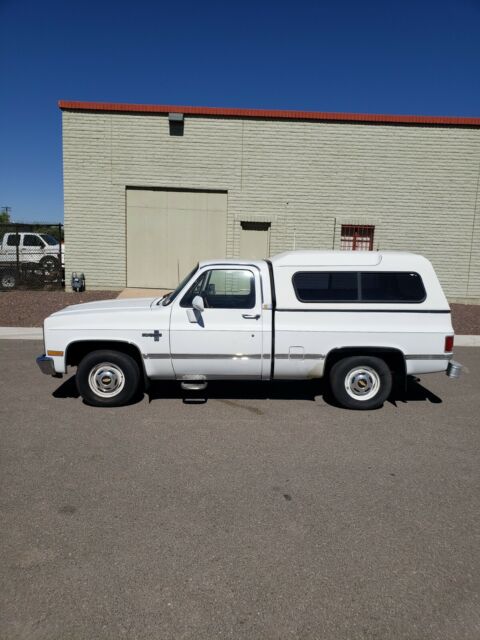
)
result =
(454, 369)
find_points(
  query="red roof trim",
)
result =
(266, 113)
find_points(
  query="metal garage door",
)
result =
(168, 232)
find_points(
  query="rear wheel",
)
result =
(361, 382)
(108, 378)
(50, 265)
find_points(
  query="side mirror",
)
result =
(197, 303)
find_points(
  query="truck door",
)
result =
(32, 249)
(225, 339)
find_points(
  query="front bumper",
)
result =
(47, 366)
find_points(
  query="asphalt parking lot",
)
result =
(264, 512)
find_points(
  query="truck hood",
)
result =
(108, 306)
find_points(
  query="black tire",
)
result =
(361, 382)
(50, 264)
(8, 279)
(120, 374)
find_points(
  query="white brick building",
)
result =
(147, 196)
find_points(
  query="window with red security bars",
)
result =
(357, 237)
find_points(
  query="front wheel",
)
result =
(361, 382)
(108, 378)
(8, 279)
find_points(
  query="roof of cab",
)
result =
(344, 258)
(234, 262)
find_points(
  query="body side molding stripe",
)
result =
(278, 356)
(205, 356)
(156, 356)
(365, 310)
(443, 356)
(299, 356)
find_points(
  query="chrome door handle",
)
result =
(251, 316)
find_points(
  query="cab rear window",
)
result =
(353, 286)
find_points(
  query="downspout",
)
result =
(473, 230)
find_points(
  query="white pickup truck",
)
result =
(28, 248)
(360, 319)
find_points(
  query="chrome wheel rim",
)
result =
(362, 383)
(106, 380)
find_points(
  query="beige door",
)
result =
(168, 232)
(254, 240)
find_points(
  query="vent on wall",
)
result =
(255, 226)
(176, 124)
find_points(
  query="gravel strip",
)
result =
(466, 319)
(29, 308)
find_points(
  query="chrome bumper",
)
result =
(46, 365)
(454, 369)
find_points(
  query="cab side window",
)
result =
(223, 289)
(32, 241)
(13, 240)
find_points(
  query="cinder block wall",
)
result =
(417, 184)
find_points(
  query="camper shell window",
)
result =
(358, 286)
(326, 286)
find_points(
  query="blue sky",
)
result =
(409, 57)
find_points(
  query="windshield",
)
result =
(170, 297)
(49, 239)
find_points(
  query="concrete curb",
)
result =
(467, 341)
(35, 333)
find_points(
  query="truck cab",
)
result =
(29, 246)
